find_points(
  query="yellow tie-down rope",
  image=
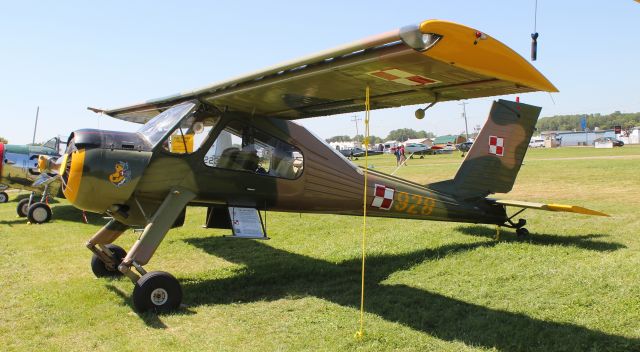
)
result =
(360, 332)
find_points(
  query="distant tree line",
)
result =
(401, 135)
(572, 122)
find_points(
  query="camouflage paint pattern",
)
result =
(329, 183)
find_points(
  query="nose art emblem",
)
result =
(122, 174)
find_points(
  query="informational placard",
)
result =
(246, 222)
(181, 144)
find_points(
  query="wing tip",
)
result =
(96, 110)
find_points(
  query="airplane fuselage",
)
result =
(121, 174)
(19, 166)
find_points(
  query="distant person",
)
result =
(396, 152)
(402, 157)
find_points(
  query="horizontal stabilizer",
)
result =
(548, 207)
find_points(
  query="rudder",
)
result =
(493, 162)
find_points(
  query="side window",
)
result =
(243, 147)
(190, 134)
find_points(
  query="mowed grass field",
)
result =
(573, 285)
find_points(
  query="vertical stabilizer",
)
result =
(493, 162)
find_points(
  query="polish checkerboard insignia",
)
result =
(402, 77)
(383, 197)
(496, 145)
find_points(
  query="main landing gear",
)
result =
(4, 197)
(156, 291)
(36, 212)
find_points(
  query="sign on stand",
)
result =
(246, 223)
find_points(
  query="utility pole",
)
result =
(36, 126)
(464, 114)
(356, 119)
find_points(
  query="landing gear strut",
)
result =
(35, 212)
(521, 231)
(157, 290)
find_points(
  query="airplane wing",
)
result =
(433, 61)
(548, 207)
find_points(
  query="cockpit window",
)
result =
(190, 134)
(160, 125)
(245, 148)
(52, 144)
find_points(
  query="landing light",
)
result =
(429, 40)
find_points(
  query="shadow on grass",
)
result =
(272, 274)
(64, 213)
(16, 198)
(15, 221)
(151, 319)
(70, 213)
(582, 241)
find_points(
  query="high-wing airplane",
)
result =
(233, 145)
(20, 169)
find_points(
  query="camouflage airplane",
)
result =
(20, 169)
(233, 145)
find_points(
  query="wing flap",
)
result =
(549, 207)
(457, 64)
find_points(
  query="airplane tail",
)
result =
(493, 162)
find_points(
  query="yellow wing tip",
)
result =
(575, 209)
(474, 50)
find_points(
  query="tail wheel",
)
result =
(158, 291)
(4, 197)
(39, 213)
(522, 232)
(23, 208)
(100, 269)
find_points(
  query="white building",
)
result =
(345, 145)
(426, 141)
(632, 138)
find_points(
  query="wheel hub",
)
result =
(159, 296)
(39, 214)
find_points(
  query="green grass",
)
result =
(571, 286)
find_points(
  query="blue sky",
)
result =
(64, 56)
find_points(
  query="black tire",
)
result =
(421, 156)
(4, 197)
(522, 232)
(23, 208)
(158, 291)
(39, 213)
(100, 269)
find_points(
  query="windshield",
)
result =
(160, 125)
(52, 143)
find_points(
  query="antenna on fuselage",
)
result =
(33, 141)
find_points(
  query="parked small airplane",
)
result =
(232, 145)
(19, 169)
